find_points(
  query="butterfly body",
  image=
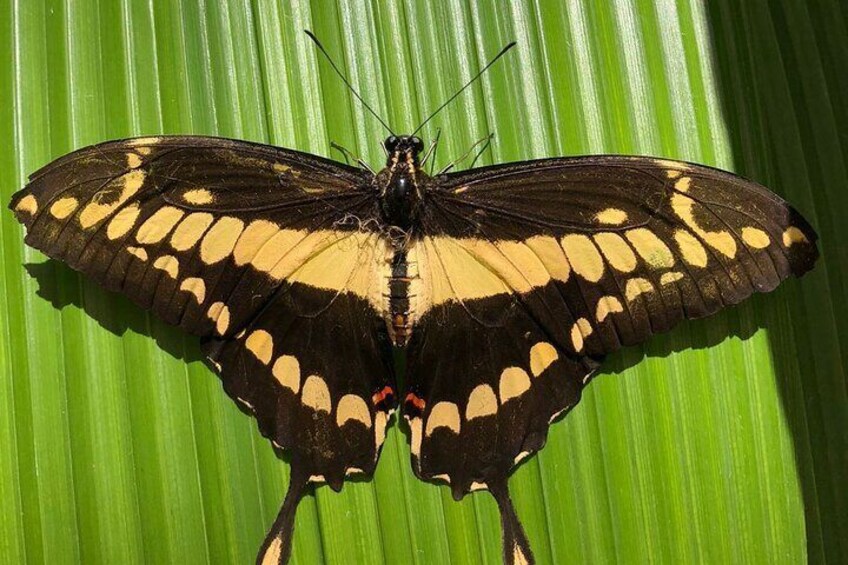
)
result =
(506, 285)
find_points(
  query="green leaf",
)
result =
(724, 441)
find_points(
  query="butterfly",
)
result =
(505, 285)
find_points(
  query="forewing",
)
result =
(529, 274)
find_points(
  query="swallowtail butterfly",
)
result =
(506, 285)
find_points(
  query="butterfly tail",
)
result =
(516, 547)
(276, 549)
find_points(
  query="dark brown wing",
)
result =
(263, 252)
(530, 273)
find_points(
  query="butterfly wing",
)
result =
(530, 273)
(260, 251)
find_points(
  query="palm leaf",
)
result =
(724, 441)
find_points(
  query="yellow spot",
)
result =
(635, 287)
(190, 230)
(27, 204)
(672, 174)
(416, 427)
(64, 207)
(551, 255)
(195, 286)
(607, 305)
(616, 251)
(542, 356)
(138, 252)
(380, 422)
(220, 239)
(123, 222)
(352, 407)
(286, 370)
(351, 471)
(261, 344)
(160, 224)
(481, 402)
(756, 238)
(672, 165)
(793, 235)
(280, 245)
(518, 557)
(442, 477)
(316, 395)
(460, 190)
(650, 248)
(138, 142)
(281, 168)
(520, 457)
(611, 216)
(722, 241)
(443, 415)
(475, 486)
(514, 382)
(691, 249)
(133, 160)
(272, 554)
(317, 479)
(198, 196)
(220, 314)
(95, 212)
(579, 332)
(670, 277)
(169, 264)
(584, 257)
(683, 184)
(255, 235)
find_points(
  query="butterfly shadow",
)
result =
(782, 86)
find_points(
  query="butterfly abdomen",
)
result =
(401, 314)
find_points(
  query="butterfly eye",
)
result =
(390, 143)
(417, 144)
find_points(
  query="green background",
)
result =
(724, 441)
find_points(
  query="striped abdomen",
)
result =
(400, 312)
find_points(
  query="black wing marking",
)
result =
(528, 274)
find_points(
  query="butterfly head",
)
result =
(402, 149)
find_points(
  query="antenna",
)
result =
(502, 52)
(344, 79)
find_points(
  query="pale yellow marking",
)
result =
(351, 471)
(584, 257)
(272, 554)
(793, 235)
(27, 204)
(518, 557)
(135, 143)
(616, 251)
(316, 395)
(672, 174)
(542, 356)
(123, 222)
(721, 241)
(160, 224)
(442, 477)
(493, 257)
(691, 249)
(255, 235)
(169, 264)
(637, 286)
(416, 430)
(650, 248)
(683, 184)
(196, 287)
(514, 382)
(756, 238)
(381, 420)
(281, 168)
(452, 273)
(670, 277)
(611, 216)
(95, 212)
(672, 165)
(190, 230)
(261, 344)
(551, 255)
(460, 190)
(475, 486)
(64, 207)
(481, 402)
(579, 332)
(220, 314)
(286, 370)
(138, 252)
(525, 260)
(220, 239)
(317, 479)
(352, 407)
(278, 247)
(607, 305)
(198, 196)
(520, 457)
(133, 160)
(443, 415)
